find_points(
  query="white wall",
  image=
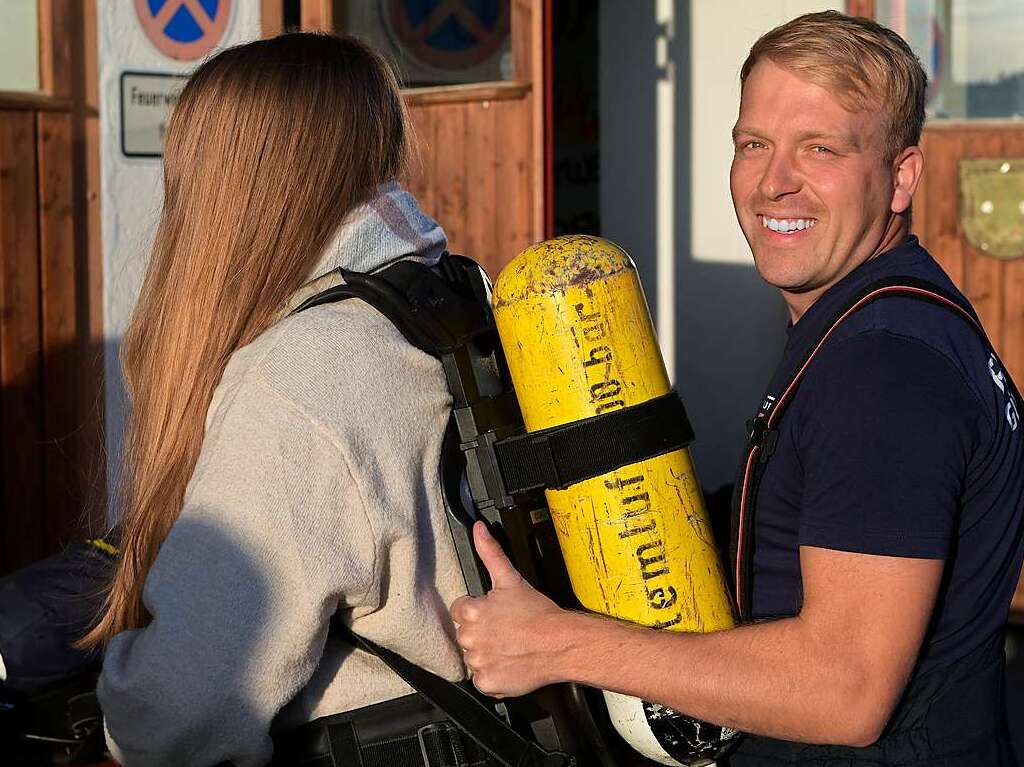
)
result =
(19, 45)
(669, 92)
(132, 187)
(716, 59)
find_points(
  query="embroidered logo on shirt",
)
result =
(1012, 414)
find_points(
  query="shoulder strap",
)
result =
(444, 312)
(763, 429)
(435, 309)
(474, 718)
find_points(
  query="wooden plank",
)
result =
(92, 467)
(91, 332)
(1012, 351)
(420, 179)
(450, 173)
(470, 92)
(21, 478)
(317, 15)
(522, 28)
(55, 41)
(537, 165)
(85, 59)
(545, 135)
(865, 8)
(528, 66)
(481, 180)
(59, 278)
(271, 17)
(39, 101)
(512, 223)
(919, 209)
(941, 229)
(983, 275)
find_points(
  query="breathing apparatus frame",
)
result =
(493, 471)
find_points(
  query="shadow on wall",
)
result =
(729, 327)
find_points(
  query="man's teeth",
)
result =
(786, 225)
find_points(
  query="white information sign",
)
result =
(146, 101)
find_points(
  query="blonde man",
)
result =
(886, 545)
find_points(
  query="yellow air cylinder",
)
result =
(579, 341)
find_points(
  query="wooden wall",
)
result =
(50, 295)
(478, 148)
(995, 287)
(472, 173)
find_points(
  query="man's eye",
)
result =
(751, 145)
(818, 149)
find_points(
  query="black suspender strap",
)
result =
(492, 734)
(763, 428)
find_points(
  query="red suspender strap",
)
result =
(764, 427)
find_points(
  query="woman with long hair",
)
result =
(277, 468)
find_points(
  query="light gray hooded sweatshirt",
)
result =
(316, 487)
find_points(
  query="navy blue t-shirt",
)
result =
(902, 440)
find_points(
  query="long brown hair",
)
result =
(270, 145)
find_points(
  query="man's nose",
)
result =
(780, 177)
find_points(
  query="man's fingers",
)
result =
(489, 550)
(462, 610)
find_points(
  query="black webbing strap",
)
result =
(564, 455)
(475, 719)
(552, 458)
(440, 744)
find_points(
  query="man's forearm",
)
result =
(774, 679)
(830, 675)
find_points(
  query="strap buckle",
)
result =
(762, 437)
(441, 745)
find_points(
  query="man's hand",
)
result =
(511, 635)
(829, 675)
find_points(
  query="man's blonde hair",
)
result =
(865, 64)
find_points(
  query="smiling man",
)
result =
(886, 544)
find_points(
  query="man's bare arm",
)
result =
(830, 675)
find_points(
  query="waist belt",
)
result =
(404, 732)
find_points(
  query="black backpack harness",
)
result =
(491, 470)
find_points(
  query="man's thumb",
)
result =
(489, 550)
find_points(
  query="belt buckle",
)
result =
(441, 735)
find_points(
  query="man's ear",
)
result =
(907, 169)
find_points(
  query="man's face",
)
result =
(811, 189)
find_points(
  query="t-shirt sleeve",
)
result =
(885, 437)
(271, 537)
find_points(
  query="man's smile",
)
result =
(779, 227)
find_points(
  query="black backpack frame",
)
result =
(495, 472)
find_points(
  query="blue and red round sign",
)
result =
(184, 29)
(449, 34)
